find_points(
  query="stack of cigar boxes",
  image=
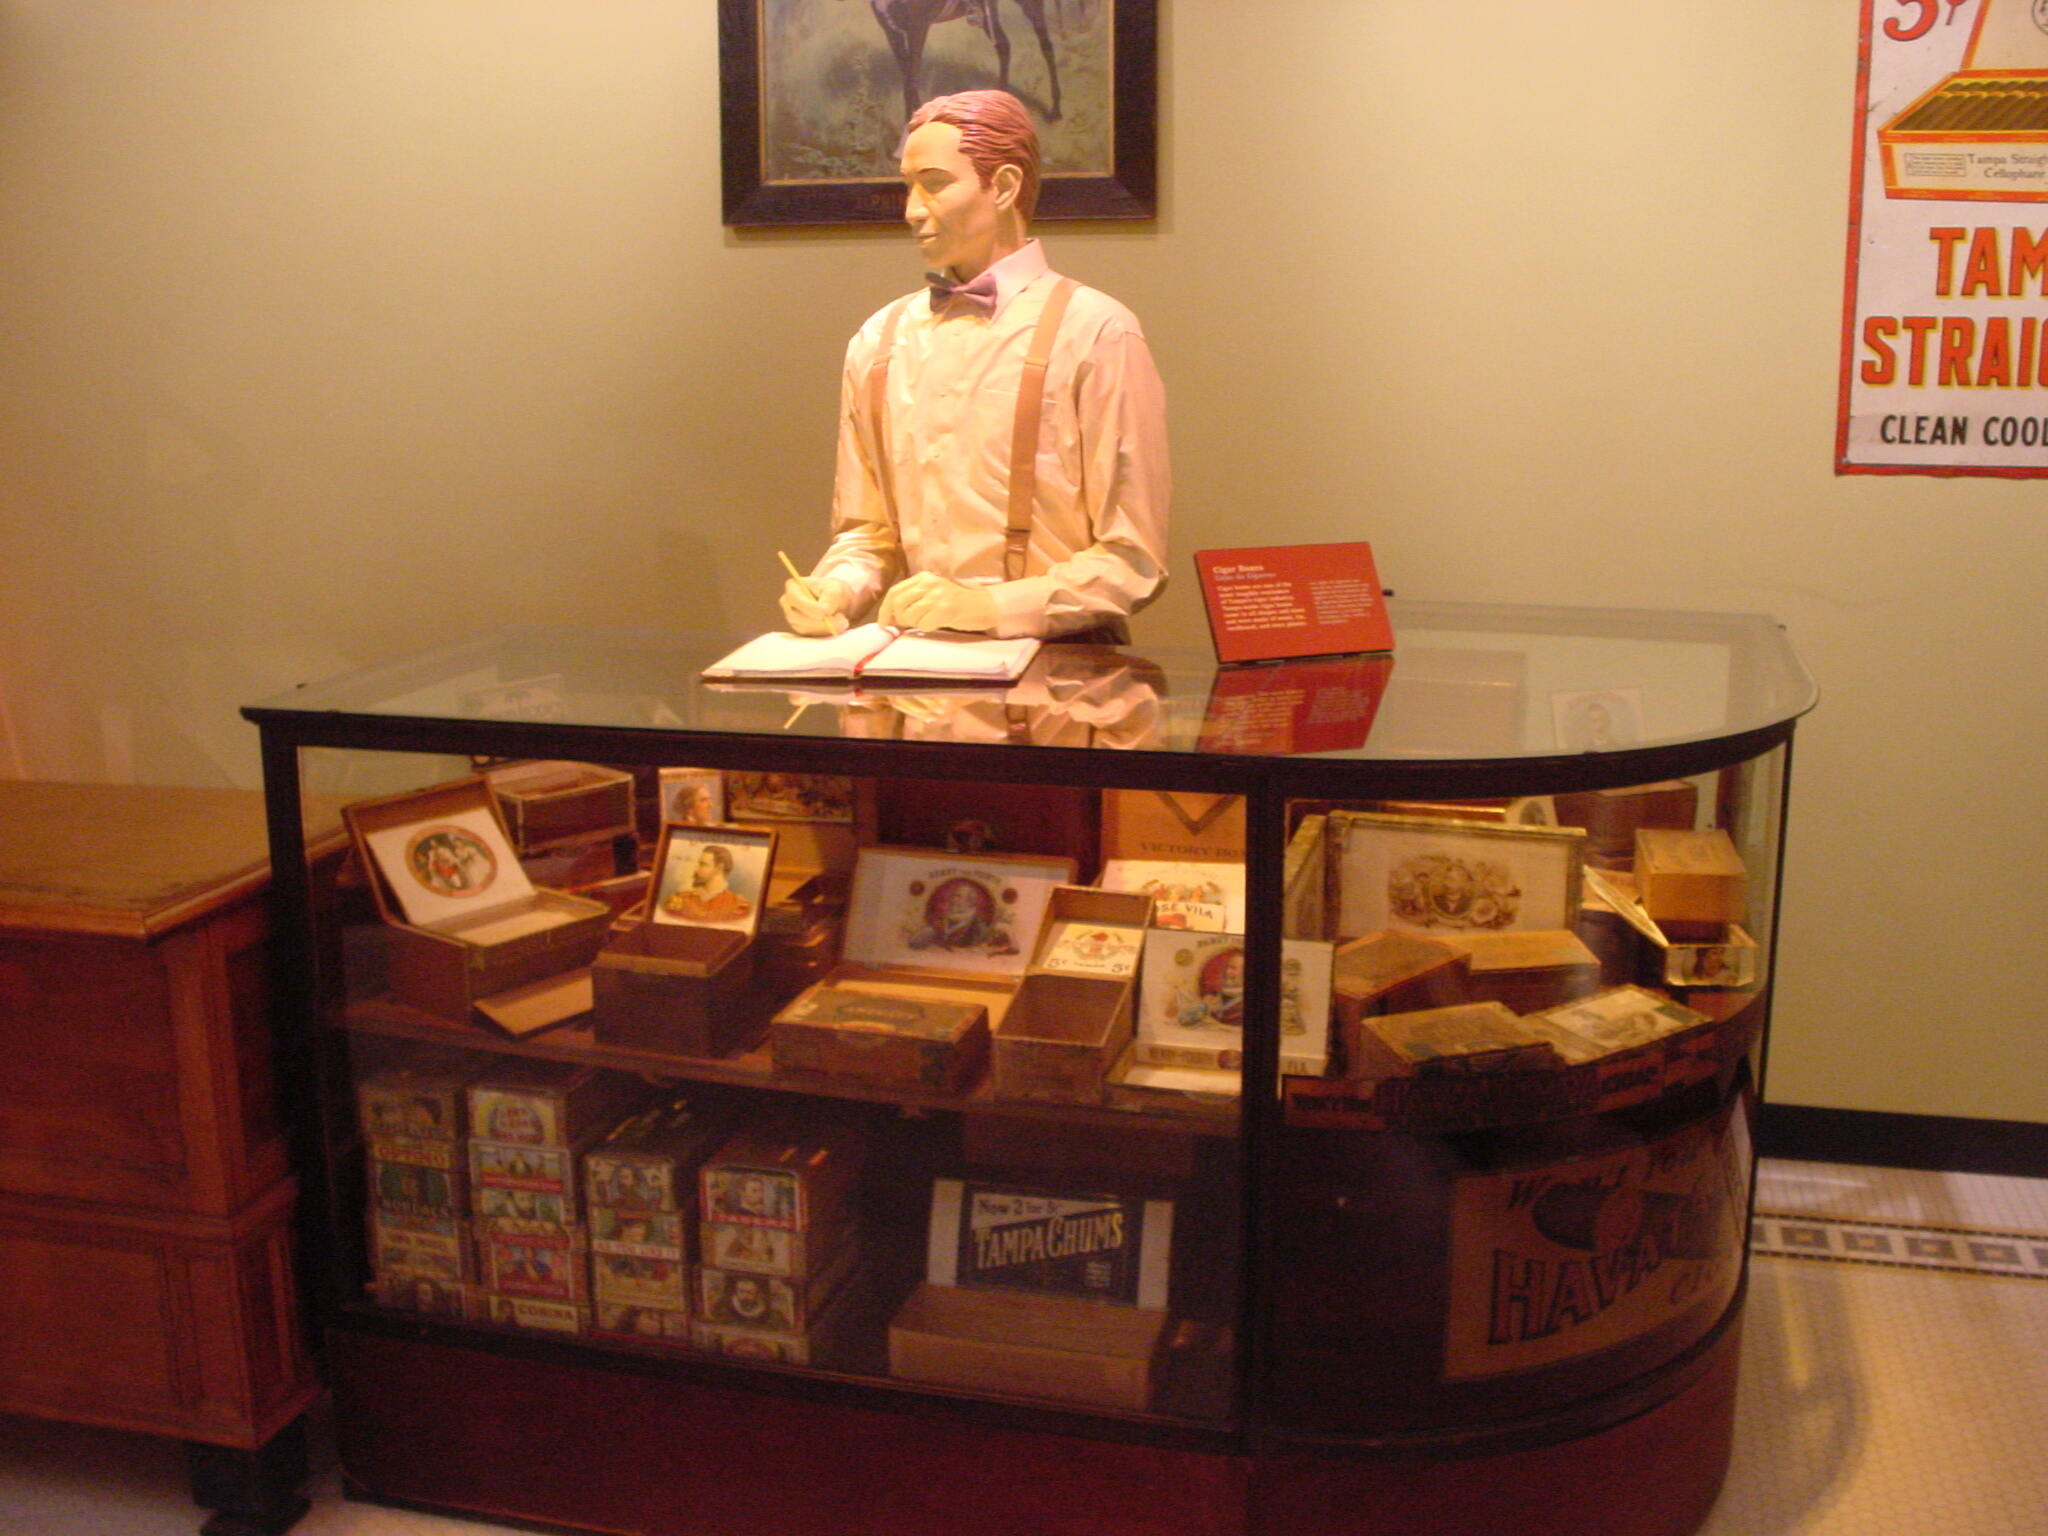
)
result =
(412, 1120)
(529, 1122)
(640, 1203)
(778, 1242)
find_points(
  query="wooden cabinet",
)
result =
(145, 1196)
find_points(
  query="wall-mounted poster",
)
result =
(814, 95)
(1945, 335)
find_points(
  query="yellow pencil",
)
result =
(797, 576)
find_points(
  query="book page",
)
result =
(944, 654)
(780, 654)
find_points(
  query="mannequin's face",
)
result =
(960, 225)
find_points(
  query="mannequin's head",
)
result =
(970, 164)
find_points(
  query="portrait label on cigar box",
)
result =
(751, 1196)
(712, 878)
(1201, 898)
(973, 915)
(1053, 1242)
(523, 1205)
(694, 796)
(417, 1245)
(1444, 877)
(407, 1188)
(450, 866)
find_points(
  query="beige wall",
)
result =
(333, 328)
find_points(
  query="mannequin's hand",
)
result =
(824, 614)
(925, 601)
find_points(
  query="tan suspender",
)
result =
(1024, 435)
(1023, 432)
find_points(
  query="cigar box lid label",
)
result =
(1623, 1018)
(1470, 1036)
(647, 1235)
(1561, 1260)
(847, 1007)
(414, 1150)
(1052, 1242)
(519, 1167)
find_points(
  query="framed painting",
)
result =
(813, 95)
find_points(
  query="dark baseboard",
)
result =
(1942, 1142)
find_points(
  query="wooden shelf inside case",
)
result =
(752, 1067)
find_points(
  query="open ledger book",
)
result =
(877, 653)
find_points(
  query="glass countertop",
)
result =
(1464, 682)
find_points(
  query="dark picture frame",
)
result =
(765, 185)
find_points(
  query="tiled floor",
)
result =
(1895, 1382)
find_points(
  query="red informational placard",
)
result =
(1293, 600)
(1323, 705)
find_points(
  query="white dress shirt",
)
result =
(1098, 532)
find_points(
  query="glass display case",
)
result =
(1147, 1097)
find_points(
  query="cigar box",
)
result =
(421, 1295)
(1980, 134)
(1725, 957)
(465, 924)
(804, 1347)
(777, 1303)
(1196, 897)
(533, 1313)
(642, 1325)
(1690, 882)
(1071, 1241)
(550, 804)
(933, 937)
(693, 795)
(869, 1037)
(550, 1104)
(1443, 878)
(417, 1100)
(677, 980)
(534, 1259)
(631, 1279)
(786, 963)
(640, 1259)
(1468, 1039)
(1045, 819)
(622, 895)
(497, 1204)
(1172, 826)
(740, 1247)
(1191, 1004)
(649, 1161)
(1303, 906)
(1017, 1344)
(1611, 818)
(1528, 971)
(1623, 1019)
(1200, 1093)
(424, 1247)
(424, 1178)
(1073, 1012)
(1395, 972)
(799, 1175)
(820, 822)
(513, 1170)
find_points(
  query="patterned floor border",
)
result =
(1899, 1246)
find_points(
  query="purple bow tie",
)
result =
(977, 293)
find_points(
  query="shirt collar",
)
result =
(1018, 271)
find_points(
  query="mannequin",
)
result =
(1002, 461)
